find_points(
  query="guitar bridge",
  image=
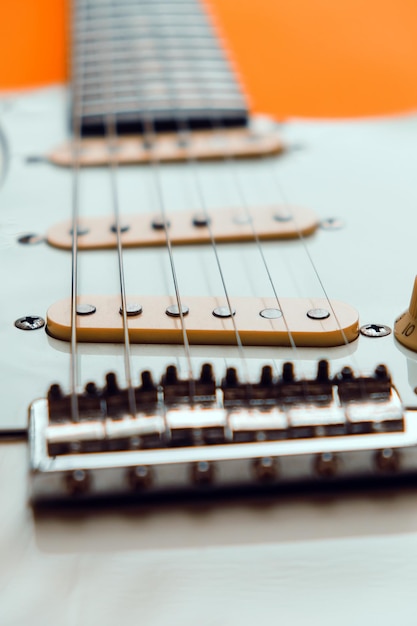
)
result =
(193, 434)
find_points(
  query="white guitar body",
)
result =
(285, 559)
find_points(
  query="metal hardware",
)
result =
(318, 314)
(242, 219)
(30, 322)
(223, 311)
(80, 231)
(282, 217)
(123, 229)
(326, 465)
(275, 431)
(200, 221)
(160, 224)
(86, 309)
(202, 473)
(132, 309)
(375, 330)
(154, 326)
(140, 477)
(387, 460)
(77, 482)
(173, 310)
(265, 469)
(31, 239)
(332, 223)
(270, 314)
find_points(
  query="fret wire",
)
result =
(139, 50)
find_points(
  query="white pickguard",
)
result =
(154, 566)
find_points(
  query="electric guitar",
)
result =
(197, 306)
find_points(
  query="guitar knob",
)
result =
(405, 327)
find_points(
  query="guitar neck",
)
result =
(150, 63)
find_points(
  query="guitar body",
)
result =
(277, 556)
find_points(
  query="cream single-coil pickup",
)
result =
(259, 138)
(191, 434)
(208, 320)
(187, 227)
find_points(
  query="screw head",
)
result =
(30, 239)
(318, 314)
(375, 330)
(223, 311)
(242, 219)
(86, 309)
(30, 322)
(326, 464)
(77, 482)
(132, 309)
(265, 469)
(202, 473)
(200, 221)
(270, 314)
(160, 224)
(332, 223)
(123, 228)
(387, 460)
(140, 477)
(173, 310)
(282, 217)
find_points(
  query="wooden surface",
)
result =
(298, 58)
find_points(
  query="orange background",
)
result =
(296, 57)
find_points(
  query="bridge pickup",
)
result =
(308, 322)
(201, 441)
(186, 227)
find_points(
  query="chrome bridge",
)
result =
(196, 434)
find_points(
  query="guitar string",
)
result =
(76, 151)
(314, 267)
(112, 145)
(190, 160)
(110, 129)
(150, 140)
(203, 203)
(230, 158)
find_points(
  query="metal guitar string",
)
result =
(112, 147)
(76, 148)
(229, 158)
(314, 266)
(191, 162)
(150, 140)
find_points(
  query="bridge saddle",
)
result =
(182, 434)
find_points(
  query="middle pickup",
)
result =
(187, 227)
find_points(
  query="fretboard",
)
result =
(150, 62)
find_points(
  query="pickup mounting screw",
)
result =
(31, 239)
(375, 330)
(30, 322)
(332, 223)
